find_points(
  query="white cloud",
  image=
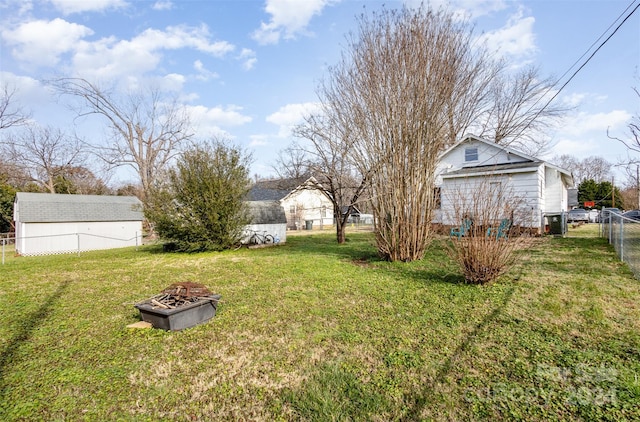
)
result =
(175, 37)
(290, 115)
(248, 57)
(218, 116)
(471, 9)
(41, 42)
(27, 90)
(68, 7)
(288, 18)
(209, 122)
(162, 5)
(516, 39)
(110, 58)
(584, 134)
(203, 74)
(258, 140)
(584, 123)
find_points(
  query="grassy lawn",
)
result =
(315, 331)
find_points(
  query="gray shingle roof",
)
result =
(266, 212)
(259, 193)
(493, 168)
(56, 208)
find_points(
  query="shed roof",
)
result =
(63, 208)
(266, 212)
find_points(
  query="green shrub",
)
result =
(200, 206)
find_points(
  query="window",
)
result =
(292, 210)
(471, 154)
(323, 211)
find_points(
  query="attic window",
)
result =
(471, 154)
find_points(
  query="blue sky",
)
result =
(248, 69)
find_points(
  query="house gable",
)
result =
(473, 151)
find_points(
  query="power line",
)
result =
(599, 38)
(583, 64)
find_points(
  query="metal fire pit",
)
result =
(180, 306)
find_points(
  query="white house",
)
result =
(541, 186)
(57, 223)
(305, 205)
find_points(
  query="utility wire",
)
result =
(599, 38)
(583, 64)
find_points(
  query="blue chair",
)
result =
(502, 230)
(463, 230)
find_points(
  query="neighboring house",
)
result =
(543, 187)
(57, 223)
(305, 206)
(267, 217)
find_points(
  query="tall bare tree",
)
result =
(10, 113)
(329, 158)
(520, 113)
(398, 89)
(42, 154)
(293, 163)
(148, 128)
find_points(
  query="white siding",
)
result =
(524, 187)
(307, 205)
(275, 230)
(54, 238)
(555, 193)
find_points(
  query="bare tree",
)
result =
(292, 163)
(594, 168)
(10, 114)
(520, 113)
(397, 89)
(329, 159)
(42, 154)
(79, 180)
(148, 129)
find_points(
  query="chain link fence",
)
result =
(624, 234)
(61, 244)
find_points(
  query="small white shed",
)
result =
(267, 217)
(57, 223)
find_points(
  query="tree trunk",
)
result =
(340, 228)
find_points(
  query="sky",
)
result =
(248, 70)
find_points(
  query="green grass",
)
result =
(316, 331)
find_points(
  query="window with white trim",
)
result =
(471, 154)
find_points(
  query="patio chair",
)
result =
(502, 230)
(463, 230)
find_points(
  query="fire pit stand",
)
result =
(180, 306)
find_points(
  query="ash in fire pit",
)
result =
(179, 306)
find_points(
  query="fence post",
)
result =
(136, 241)
(621, 239)
(609, 218)
(3, 251)
(78, 238)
